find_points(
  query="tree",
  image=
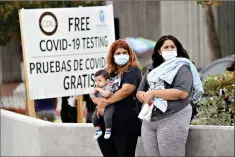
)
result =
(9, 18)
(213, 39)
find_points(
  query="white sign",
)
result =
(64, 48)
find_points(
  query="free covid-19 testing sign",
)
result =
(64, 47)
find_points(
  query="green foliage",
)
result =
(204, 3)
(9, 19)
(201, 2)
(216, 107)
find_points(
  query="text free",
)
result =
(79, 24)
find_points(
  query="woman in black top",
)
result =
(121, 61)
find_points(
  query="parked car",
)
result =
(218, 66)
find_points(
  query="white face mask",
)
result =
(121, 59)
(167, 55)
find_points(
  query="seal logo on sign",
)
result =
(48, 23)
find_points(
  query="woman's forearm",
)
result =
(170, 94)
(122, 93)
(119, 95)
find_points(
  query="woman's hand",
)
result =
(150, 102)
(139, 96)
(100, 111)
(147, 96)
(101, 102)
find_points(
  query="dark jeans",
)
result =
(118, 145)
(122, 142)
(108, 115)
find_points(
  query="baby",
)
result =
(104, 88)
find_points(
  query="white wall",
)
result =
(26, 136)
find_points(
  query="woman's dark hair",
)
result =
(157, 58)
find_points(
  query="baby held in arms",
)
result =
(104, 88)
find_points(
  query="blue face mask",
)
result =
(121, 59)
